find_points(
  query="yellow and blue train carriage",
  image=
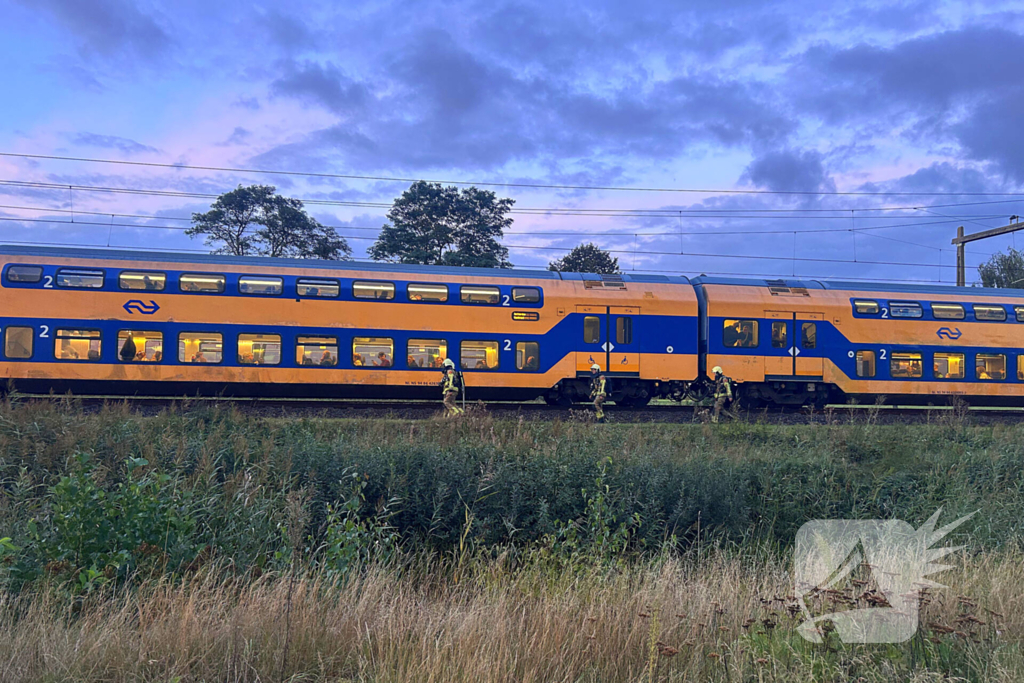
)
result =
(107, 321)
(796, 342)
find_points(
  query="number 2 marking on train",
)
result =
(885, 312)
(504, 300)
(881, 354)
(44, 331)
(508, 344)
(48, 284)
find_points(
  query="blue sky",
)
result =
(904, 97)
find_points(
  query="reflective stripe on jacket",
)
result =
(597, 386)
(723, 387)
(451, 383)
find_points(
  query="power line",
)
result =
(546, 186)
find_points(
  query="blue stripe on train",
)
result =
(653, 333)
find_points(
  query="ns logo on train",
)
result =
(137, 306)
(946, 333)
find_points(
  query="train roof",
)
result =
(842, 285)
(270, 263)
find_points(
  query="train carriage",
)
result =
(144, 323)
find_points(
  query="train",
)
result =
(147, 323)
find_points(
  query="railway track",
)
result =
(664, 413)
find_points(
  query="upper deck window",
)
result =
(25, 273)
(1019, 310)
(986, 312)
(739, 333)
(422, 292)
(948, 311)
(373, 290)
(153, 282)
(201, 282)
(475, 294)
(317, 287)
(905, 309)
(865, 307)
(260, 284)
(525, 295)
(84, 279)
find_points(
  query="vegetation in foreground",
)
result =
(208, 545)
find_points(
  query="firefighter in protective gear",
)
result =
(450, 389)
(598, 391)
(723, 395)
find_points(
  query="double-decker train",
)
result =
(102, 321)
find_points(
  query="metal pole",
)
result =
(961, 278)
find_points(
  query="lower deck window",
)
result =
(479, 355)
(18, 342)
(527, 356)
(259, 349)
(865, 363)
(990, 366)
(77, 344)
(779, 335)
(321, 351)
(373, 352)
(200, 347)
(739, 334)
(808, 335)
(140, 347)
(905, 364)
(948, 366)
(427, 353)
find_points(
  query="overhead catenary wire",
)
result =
(550, 186)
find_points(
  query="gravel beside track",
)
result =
(420, 410)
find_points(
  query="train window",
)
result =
(373, 290)
(997, 313)
(779, 335)
(948, 311)
(1020, 367)
(201, 282)
(527, 356)
(865, 363)
(373, 352)
(474, 294)
(316, 351)
(421, 292)
(261, 285)
(134, 346)
(82, 279)
(1019, 311)
(808, 335)
(990, 366)
(25, 274)
(866, 307)
(739, 333)
(906, 364)
(479, 355)
(624, 330)
(259, 349)
(71, 344)
(426, 353)
(152, 282)
(525, 295)
(591, 329)
(18, 342)
(200, 347)
(310, 287)
(905, 309)
(948, 365)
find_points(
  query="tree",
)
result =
(256, 221)
(1003, 270)
(586, 258)
(446, 226)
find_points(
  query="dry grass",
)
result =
(717, 619)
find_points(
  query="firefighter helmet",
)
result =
(717, 370)
(595, 367)
(449, 363)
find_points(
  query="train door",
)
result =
(794, 344)
(609, 338)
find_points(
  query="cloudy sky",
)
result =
(853, 138)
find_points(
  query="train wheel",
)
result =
(558, 400)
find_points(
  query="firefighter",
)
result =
(450, 385)
(598, 391)
(723, 395)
